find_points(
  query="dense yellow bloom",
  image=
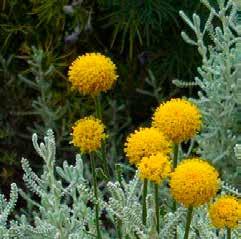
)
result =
(92, 73)
(88, 134)
(155, 168)
(194, 182)
(179, 119)
(225, 212)
(144, 143)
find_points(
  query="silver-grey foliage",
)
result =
(218, 40)
(63, 210)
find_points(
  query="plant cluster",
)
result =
(39, 39)
(218, 82)
(168, 190)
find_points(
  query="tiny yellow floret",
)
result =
(225, 212)
(92, 73)
(194, 182)
(155, 168)
(88, 134)
(179, 119)
(145, 142)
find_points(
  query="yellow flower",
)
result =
(225, 212)
(155, 168)
(88, 134)
(179, 119)
(144, 143)
(92, 73)
(194, 182)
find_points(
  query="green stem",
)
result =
(118, 172)
(157, 207)
(175, 161)
(144, 214)
(188, 222)
(175, 155)
(119, 229)
(98, 109)
(92, 161)
(229, 233)
(104, 158)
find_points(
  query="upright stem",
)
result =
(229, 233)
(144, 214)
(175, 161)
(118, 172)
(188, 222)
(51, 176)
(156, 186)
(98, 109)
(175, 156)
(119, 233)
(96, 197)
(105, 164)
(118, 221)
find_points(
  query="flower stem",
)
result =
(105, 164)
(229, 233)
(119, 229)
(144, 214)
(156, 186)
(175, 155)
(188, 222)
(96, 197)
(98, 109)
(175, 161)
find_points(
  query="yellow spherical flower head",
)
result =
(88, 134)
(179, 119)
(92, 73)
(155, 168)
(225, 212)
(194, 182)
(144, 143)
